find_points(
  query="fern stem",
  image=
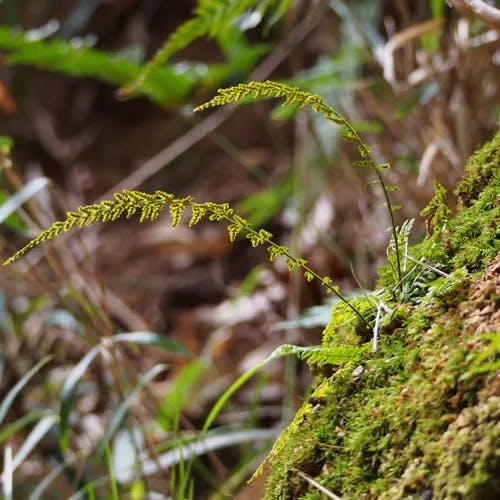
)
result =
(307, 269)
(381, 180)
(331, 288)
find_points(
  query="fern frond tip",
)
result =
(271, 89)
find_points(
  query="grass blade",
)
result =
(24, 194)
(180, 394)
(112, 479)
(36, 494)
(8, 473)
(34, 437)
(151, 338)
(11, 395)
(67, 395)
(203, 446)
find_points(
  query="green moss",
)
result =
(480, 169)
(437, 210)
(467, 457)
(406, 422)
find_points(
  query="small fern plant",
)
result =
(130, 202)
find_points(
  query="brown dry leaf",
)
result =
(7, 103)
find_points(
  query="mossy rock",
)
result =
(420, 417)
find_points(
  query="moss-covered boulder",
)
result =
(419, 417)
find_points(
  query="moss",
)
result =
(481, 168)
(407, 423)
(467, 457)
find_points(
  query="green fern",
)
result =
(300, 99)
(165, 85)
(319, 355)
(211, 19)
(128, 203)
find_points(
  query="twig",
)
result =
(422, 263)
(318, 486)
(487, 13)
(381, 307)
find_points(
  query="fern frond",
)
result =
(271, 89)
(298, 98)
(127, 203)
(321, 356)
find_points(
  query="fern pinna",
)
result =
(128, 203)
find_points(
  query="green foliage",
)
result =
(212, 18)
(165, 85)
(437, 211)
(6, 144)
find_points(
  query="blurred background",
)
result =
(419, 81)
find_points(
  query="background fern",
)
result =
(212, 18)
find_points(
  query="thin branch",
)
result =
(427, 266)
(487, 13)
(318, 486)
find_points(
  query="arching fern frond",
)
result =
(129, 202)
(271, 89)
(300, 99)
(126, 203)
